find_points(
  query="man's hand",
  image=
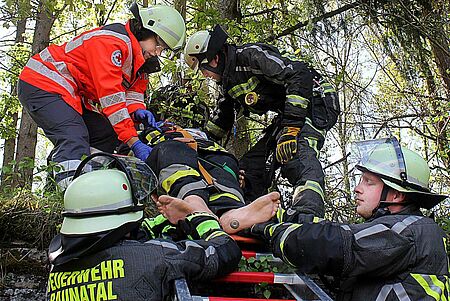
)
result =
(287, 144)
(141, 150)
(242, 178)
(146, 118)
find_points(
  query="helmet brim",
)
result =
(97, 224)
(425, 200)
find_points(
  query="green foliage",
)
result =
(9, 103)
(26, 217)
(262, 264)
(13, 173)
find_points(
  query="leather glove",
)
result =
(141, 150)
(146, 118)
(287, 144)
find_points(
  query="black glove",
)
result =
(262, 230)
(160, 227)
(199, 225)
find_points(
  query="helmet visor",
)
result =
(142, 179)
(393, 170)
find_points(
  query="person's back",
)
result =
(134, 270)
(395, 256)
(101, 254)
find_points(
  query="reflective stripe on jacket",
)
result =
(393, 257)
(91, 68)
(133, 270)
(260, 79)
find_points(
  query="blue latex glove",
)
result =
(141, 150)
(145, 117)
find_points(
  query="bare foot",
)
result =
(175, 209)
(260, 210)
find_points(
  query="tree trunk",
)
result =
(180, 6)
(10, 142)
(441, 52)
(229, 9)
(26, 141)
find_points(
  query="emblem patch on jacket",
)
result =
(116, 58)
(251, 98)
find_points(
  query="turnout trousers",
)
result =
(179, 174)
(304, 172)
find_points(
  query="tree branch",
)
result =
(315, 20)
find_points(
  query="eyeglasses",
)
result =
(161, 44)
(163, 48)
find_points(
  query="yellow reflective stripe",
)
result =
(327, 88)
(216, 234)
(153, 134)
(309, 123)
(167, 183)
(448, 259)
(283, 239)
(215, 147)
(244, 88)
(280, 214)
(317, 219)
(167, 228)
(447, 285)
(439, 284)
(313, 144)
(297, 100)
(426, 286)
(272, 228)
(311, 185)
(226, 194)
(206, 226)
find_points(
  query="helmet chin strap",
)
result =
(382, 208)
(220, 65)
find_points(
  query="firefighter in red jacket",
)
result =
(90, 90)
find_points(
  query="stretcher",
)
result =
(299, 286)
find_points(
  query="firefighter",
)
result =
(191, 167)
(397, 254)
(257, 78)
(90, 90)
(100, 253)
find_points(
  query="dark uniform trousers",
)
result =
(72, 134)
(177, 167)
(304, 171)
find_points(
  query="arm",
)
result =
(135, 95)
(104, 57)
(337, 249)
(222, 120)
(293, 75)
(211, 254)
